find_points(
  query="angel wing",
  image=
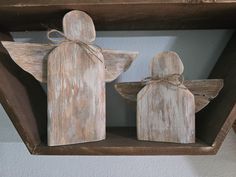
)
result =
(33, 58)
(204, 90)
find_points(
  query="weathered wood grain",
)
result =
(33, 59)
(76, 96)
(204, 90)
(77, 25)
(166, 112)
(76, 87)
(117, 62)
(209, 87)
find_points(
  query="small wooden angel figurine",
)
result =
(165, 107)
(75, 72)
(166, 104)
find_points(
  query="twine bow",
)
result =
(88, 47)
(173, 79)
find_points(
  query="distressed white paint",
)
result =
(76, 96)
(76, 85)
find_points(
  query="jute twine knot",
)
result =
(172, 79)
(88, 47)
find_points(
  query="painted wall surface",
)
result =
(199, 51)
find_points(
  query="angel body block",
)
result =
(76, 96)
(166, 112)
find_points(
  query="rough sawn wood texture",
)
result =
(33, 58)
(204, 90)
(166, 112)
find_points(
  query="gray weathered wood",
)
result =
(204, 90)
(166, 112)
(76, 96)
(33, 59)
(117, 62)
(30, 57)
(76, 87)
(77, 25)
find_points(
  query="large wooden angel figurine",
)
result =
(75, 71)
(166, 104)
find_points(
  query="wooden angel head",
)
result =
(167, 67)
(77, 25)
(165, 64)
(75, 71)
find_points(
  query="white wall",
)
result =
(199, 51)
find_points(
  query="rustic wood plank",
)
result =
(204, 90)
(33, 59)
(76, 96)
(76, 87)
(120, 14)
(123, 141)
(209, 88)
(117, 62)
(166, 112)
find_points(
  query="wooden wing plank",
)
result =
(33, 59)
(208, 88)
(203, 90)
(116, 62)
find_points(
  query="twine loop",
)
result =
(172, 79)
(88, 47)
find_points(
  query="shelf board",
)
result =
(123, 141)
(20, 15)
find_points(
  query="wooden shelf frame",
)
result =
(18, 15)
(26, 103)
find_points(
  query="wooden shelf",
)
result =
(123, 141)
(26, 103)
(120, 14)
